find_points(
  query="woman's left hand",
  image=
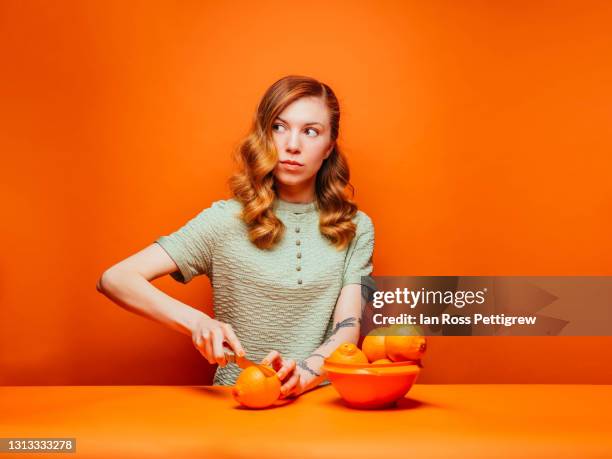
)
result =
(300, 381)
(294, 377)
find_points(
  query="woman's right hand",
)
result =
(208, 336)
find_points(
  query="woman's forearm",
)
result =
(133, 292)
(313, 364)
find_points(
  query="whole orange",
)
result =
(348, 353)
(373, 347)
(254, 389)
(405, 344)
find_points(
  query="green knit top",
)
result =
(276, 299)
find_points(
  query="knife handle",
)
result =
(229, 354)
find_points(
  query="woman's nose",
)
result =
(293, 144)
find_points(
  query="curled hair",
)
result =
(253, 185)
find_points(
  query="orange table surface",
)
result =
(477, 421)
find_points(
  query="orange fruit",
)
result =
(375, 362)
(380, 331)
(412, 330)
(373, 347)
(348, 353)
(254, 389)
(404, 343)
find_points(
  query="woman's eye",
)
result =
(279, 128)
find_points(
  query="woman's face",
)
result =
(302, 137)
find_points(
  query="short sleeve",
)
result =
(358, 264)
(192, 246)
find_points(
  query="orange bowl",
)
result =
(372, 385)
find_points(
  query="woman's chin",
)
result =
(289, 180)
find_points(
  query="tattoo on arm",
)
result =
(348, 322)
(318, 355)
(303, 365)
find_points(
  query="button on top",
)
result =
(297, 242)
(297, 229)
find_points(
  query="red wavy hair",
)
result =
(253, 185)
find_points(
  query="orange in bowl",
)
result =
(371, 385)
(380, 361)
(373, 347)
(405, 343)
(348, 353)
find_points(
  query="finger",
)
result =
(217, 344)
(290, 384)
(277, 363)
(233, 340)
(198, 342)
(272, 357)
(208, 348)
(286, 369)
(297, 389)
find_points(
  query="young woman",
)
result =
(286, 255)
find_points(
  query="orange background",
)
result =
(477, 134)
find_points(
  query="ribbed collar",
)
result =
(294, 207)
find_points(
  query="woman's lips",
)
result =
(291, 165)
